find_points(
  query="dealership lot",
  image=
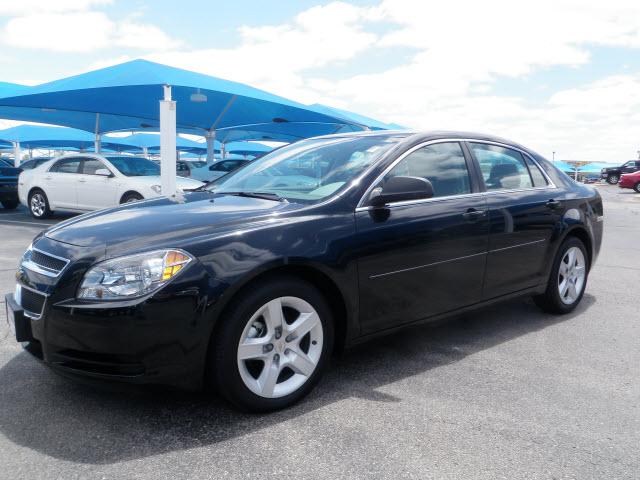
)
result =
(508, 392)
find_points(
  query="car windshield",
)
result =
(135, 166)
(307, 171)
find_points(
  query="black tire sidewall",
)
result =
(10, 204)
(636, 187)
(223, 356)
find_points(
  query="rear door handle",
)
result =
(473, 214)
(553, 204)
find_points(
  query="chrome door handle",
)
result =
(553, 204)
(82, 180)
(473, 215)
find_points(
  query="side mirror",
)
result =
(103, 172)
(399, 189)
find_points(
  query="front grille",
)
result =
(43, 263)
(47, 261)
(31, 301)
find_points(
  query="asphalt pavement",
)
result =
(507, 392)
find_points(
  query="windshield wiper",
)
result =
(264, 195)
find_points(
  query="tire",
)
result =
(10, 204)
(636, 187)
(131, 197)
(39, 204)
(613, 179)
(296, 362)
(559, 297)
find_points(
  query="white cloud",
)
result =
(71, 26)
(456, 53)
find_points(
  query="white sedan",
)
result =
(84, 182)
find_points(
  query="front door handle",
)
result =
(473, 214)
(553, 204)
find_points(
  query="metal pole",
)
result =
(16, 154)
(210, 137)
(145, 152)
(97, 143)
(554, 156)
(223, 152)
(168, 143)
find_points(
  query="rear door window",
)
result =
(502, 168)
(66, 165)
(539, 180)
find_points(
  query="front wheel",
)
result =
(613, 179)
(39, 204)
(272, 346)
(636, 187)
(568, 278)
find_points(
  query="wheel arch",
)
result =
(581, 233)
(129, 192)
(321, 280)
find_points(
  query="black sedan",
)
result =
(251, 283)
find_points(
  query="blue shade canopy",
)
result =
(152, 141)
(247, 148)
(282, 131)
(56, 138)
(564, 166)
(127, 95)
(594, 167)
(10, 89)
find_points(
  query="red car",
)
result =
(630, 180)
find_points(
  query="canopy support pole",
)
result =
(145, 152)
(16, 154)
(168, 144)
(97, 143)
(210, 137)
(223, 152)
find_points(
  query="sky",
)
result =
(558, 76)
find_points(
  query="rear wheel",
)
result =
(10, 204)
(568, 278)
(39, 204)
(131, 197)
(613, 179)
(272, 346)
(636, 187)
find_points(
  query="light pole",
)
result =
(554, 155)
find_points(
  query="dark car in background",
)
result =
(612, 174)
(249, 284)
(9, 185)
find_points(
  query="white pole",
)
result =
(210, 137)
(145, 152)
(97, 143)
(223, 153)
(16, 154)
(168, 143)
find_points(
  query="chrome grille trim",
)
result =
(29, 264)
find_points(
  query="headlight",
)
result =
(157, 189)
(132, 276)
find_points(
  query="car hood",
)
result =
(163, 222)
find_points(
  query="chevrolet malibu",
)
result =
(249, 284)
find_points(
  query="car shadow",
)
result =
(78, 423)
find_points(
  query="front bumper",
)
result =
(161, 339)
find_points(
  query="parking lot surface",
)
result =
(508, 392)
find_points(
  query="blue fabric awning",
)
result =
(126, 96)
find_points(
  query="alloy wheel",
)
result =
(571, 275)
(280, 347)
(38, 204)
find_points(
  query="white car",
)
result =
(84, 182)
